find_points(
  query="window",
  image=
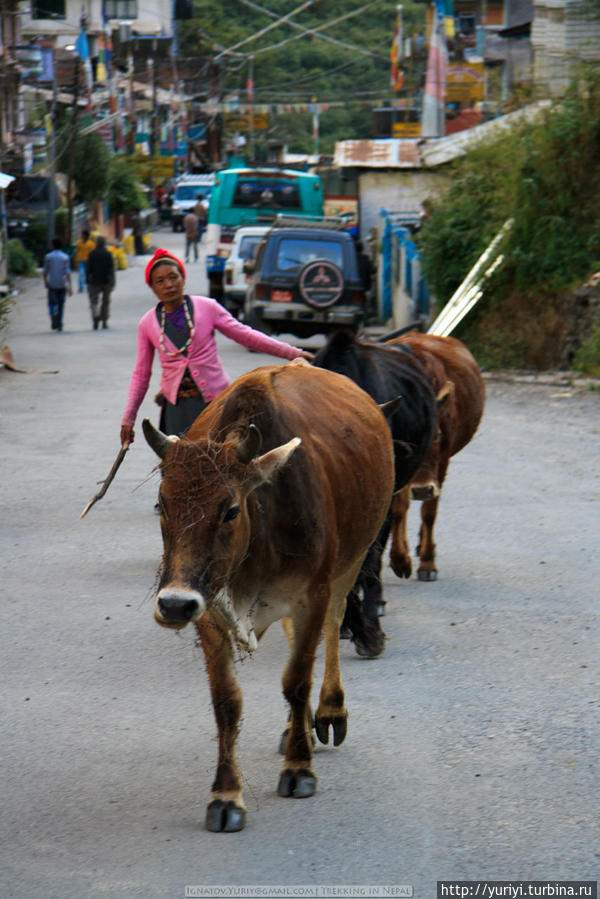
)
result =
(48, 9)
(189, 192)
(248, 245)
(268, 193)
(120, 9)
(293, 253)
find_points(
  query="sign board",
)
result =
(465, 82)
(406, 129)
(159, 167)
(241, 121)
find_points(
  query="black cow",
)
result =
(384, 371)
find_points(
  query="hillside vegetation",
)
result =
(347, 67)
(546, 177)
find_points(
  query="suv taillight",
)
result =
(260, 292)
(229, 277)
(357, 298)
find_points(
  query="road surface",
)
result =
(472, 748)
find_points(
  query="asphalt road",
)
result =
(472, 748)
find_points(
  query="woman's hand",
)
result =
(127, 434)
(306, 355)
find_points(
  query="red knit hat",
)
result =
(163, 256)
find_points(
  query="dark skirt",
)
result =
(176, 418)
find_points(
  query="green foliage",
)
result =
(61, 224)
(291, 69)
(21, 261)
(587, 357)
(546, 176)
(37, 236)
(92, 165)
(124, 194)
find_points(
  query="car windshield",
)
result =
(189, 192)
(248, 245)
(294, 252)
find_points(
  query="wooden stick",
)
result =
(108, 480)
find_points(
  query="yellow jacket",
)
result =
(83, 249)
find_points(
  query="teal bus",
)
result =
(246, 196)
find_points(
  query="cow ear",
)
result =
(265, 466)
(446, 392)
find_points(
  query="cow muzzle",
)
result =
(174, 608)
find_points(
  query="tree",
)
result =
(92, 166)
(124, 193)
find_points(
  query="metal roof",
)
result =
(385, 153)
(5, 180)
(418, 153)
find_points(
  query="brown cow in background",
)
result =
(451, 368)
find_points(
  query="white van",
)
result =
(245, 241)
(187, 191)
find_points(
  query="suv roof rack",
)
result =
(331, 222)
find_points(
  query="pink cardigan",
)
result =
(202, 357)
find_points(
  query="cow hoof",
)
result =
(298, 784)
(340, 729)
(224, 817)
(425, 574)
(371, 642)
(401, 568)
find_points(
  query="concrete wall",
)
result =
(564, 34)
(153, 17)
(399, 190)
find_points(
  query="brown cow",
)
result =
(451, 368)
(250, 538)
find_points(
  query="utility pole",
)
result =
(250, 94)
(153, 63)
(52, 150)
(72, 145)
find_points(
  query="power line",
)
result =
(260, 33)
(313, 32)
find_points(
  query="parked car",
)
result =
(187, 191)
(245, 242)
(305, 279)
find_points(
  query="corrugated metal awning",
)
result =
(5, 180)
(385, 153)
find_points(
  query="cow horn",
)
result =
(157, 441)
(250, 446)
(390, 407)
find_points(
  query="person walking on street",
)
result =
(57, 281)
(190, 226)
(200, 210)
(137, 229)
(181, 329)
(100, 277)
(83, 248)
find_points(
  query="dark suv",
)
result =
(305, 279)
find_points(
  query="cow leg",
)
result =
(297, 778)
(288, 628)
(399, 551)
(331, 710)
(427, 570)
(226, 811)
(370, 574)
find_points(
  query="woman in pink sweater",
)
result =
(181, 329)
